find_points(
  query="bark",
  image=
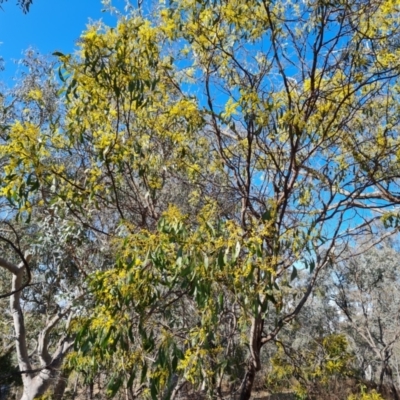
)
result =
(170, 387)
(176, 390)
(90, 387)
(257, 340)
(38, 385)
(254, 364)
(392, 385)
(61, 385)
(19, 324)
(247, 385)
(35, 381)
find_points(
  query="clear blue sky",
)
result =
(50, 25)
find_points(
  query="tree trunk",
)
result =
(392, 384)
(254, 364)
(35, 381)
(90, 387)
(38, 385)
(248, 382)
(61, 385)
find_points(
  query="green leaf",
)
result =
(206, 262)
(311, 265)
(58, 54)
(266, 215)
(143, 375)
(131, 379)
(237, 252)
(221, 301)
(153, 390)
(114, 384)
(294, 274)
(131, 86)
(220, 260)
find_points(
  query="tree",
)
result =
(24, 4)
(263, 144)
(365, 290)
(35, 381)
(43, 289)
(318, 362)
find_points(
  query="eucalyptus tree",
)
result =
(366, 291)
(45, 255)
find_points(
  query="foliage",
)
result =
(194, 344)
(364, 289)
(24, 4)
(372, 395)
(9, 373)
(315, 364)
(58, 249)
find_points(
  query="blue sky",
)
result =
(50, 25)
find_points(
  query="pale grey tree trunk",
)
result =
(35, 381)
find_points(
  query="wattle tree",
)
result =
(212, 150)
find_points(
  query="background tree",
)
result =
(24, 4)
(41, 289)
(356, 301)
(366, 291)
